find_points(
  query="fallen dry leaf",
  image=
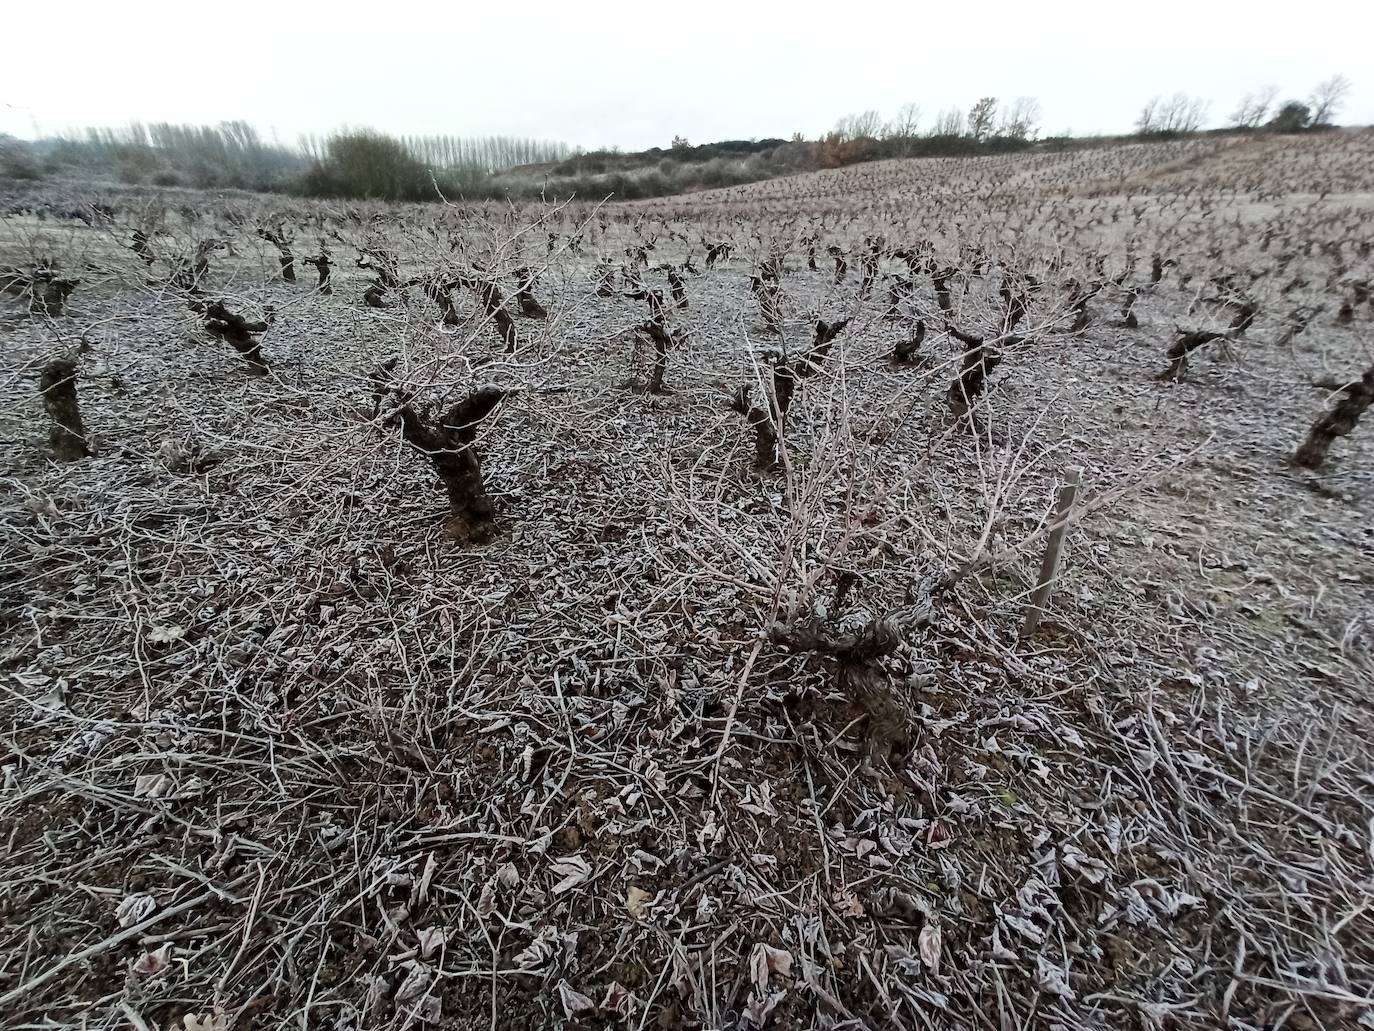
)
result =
(1025, 928)
(539, 951)
(1094, 871)
(152, 785)
(765, 960)
(758, 799)
(635, 901)
(938, 836)
(508, 876)
(135, 909)
(1052, 978)
(486, 901)
(847, 903)
(430, 940)
(415, 985)
(154, 962)
(430, 1009)
(619, 1000)
(166, 634)
(575, 1004)
(573, 870)
(931, 944)
(759, 1010)
(217, 1020)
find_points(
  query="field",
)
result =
(454, 663)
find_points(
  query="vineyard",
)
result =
(614, 614)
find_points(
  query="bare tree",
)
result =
(1253, 109)
(656, 330)
(949, 122)
(1022, 120)
(869, 124)
(1177, 115)
(861, 126)
(981, 117)
(1148, 120)
(441, 293)
(1183, 113)
(906, 124)
(1328, 99)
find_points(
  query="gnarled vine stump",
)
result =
(449, 442)
(236, 331)
(66, 435)
(1352, 401)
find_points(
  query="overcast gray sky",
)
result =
(634, 74)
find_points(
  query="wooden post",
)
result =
(1049, 564)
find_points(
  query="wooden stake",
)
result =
(1049, 564)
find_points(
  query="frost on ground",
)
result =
(673, 740)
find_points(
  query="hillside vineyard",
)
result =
(480, 615)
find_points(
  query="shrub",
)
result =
(619, 184)
(136, 167)
(654, 184)
(368, 165)
(1294, 116)
(16, 160)
(713, 174)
